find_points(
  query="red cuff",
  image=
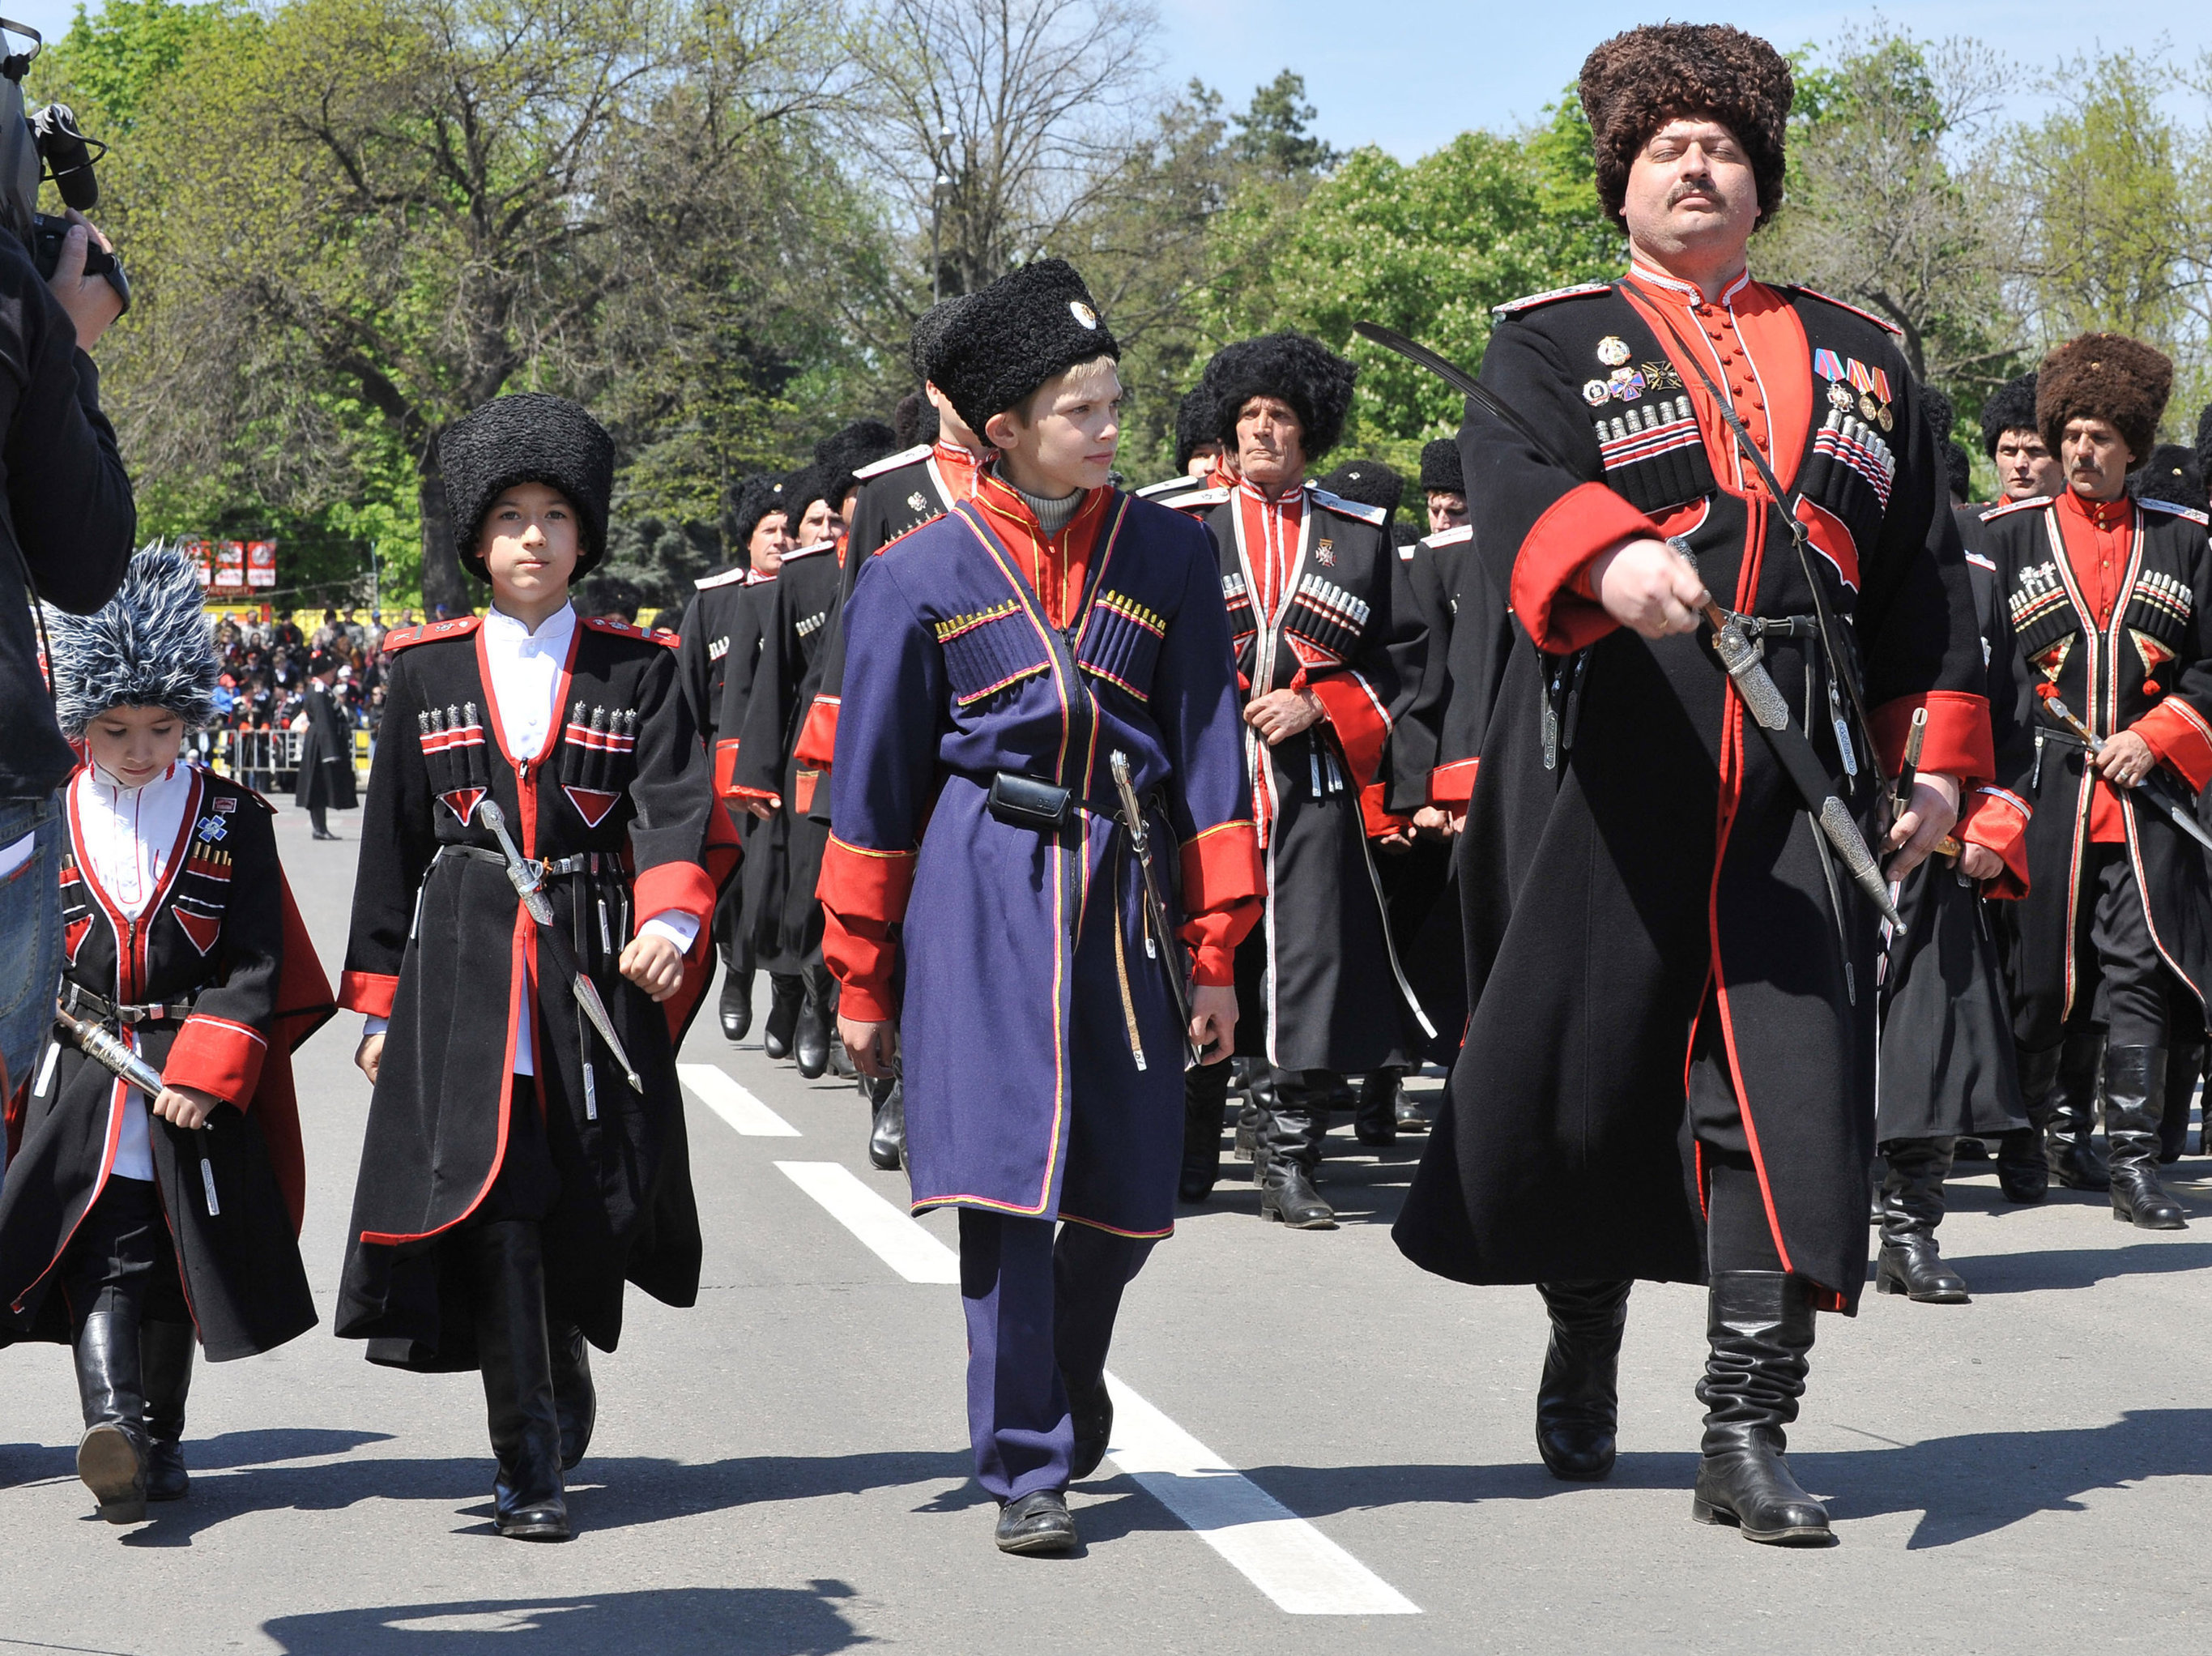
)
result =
(817, 737)
(1452, 783)
(367, 991)
(1213, 938)
(1221, 866)
(1997, 818)
(1549, 575)
(684, 886)
(1958, 743)
(218, 1056)
(726, 766)
(1360, 723)
(859, 954)
(861, 884)
(739, 796)
(2181, 738)
(1376, 816)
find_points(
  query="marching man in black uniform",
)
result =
(524, 1155)
(2106, 601)
(1668, 1071)
(325, 750)
(135, 1226)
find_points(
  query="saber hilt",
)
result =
(527, 878)
(110, 1053)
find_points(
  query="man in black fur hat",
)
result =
(2026, 469)
(1668, 1067)
(1198, 451)
(1328, 649)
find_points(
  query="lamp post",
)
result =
(936, 214)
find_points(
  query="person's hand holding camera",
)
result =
(91, 301)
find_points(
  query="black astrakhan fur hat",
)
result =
(1015, 334)
(1303, 372)
(1958, 466)
(2171, 475)
(802, 489)
(2204, 443)
(1194, 425)
(915, 420)
(1942, 413)
(2010, 407)
(529, 437)
(843, 453)
(1440, 468)
(929, 330)
(1370, 482)
(2104, 376)
(151, 645)
(756, 498)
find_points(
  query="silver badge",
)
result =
(1838, 397)
(917, 502)
(1612, 350)
(1595, 391)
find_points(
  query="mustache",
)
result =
(1702, 185)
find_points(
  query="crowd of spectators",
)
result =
(266, 667)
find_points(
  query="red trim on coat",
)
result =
(1222, 865)
(817, 737)
(718, 858)
(1361, 722)
(367, 991)
(1831, 538)
(2181, 738)
(682, 887)
(526, 790)
(217, 1057)
(1453, 783)
(1996, 818)
(864, 883)
(1378, 818)
(1957, 744)
(1549, 573)
(130, 965)
(863, 894)
(726, 766)
(458, 626)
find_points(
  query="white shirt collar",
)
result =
(552, 634)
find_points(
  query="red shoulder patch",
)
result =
(407, 638)
(624, 629)
(1882, 322)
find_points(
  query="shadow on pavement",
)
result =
(753, 1621)
(2076, 1268)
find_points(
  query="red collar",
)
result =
(2108, 515)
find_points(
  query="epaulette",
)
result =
(1196, 498)
(892, 462)
(1982, 561)
(2170, 508)
(1165, 486)
(737, 572)
(1882, 322)
(1449, 536)
(2035, 502)
(460, 626)
(1351, 508)
(624, 630)
(1515, 306)
(809, 551)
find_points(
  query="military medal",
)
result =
(1595, 391)
(916, 503)
(1325, 554)
(1612, 350)
(1885, 419)
(1627, 384)
(1868, 407)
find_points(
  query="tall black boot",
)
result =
(1375, 1117)
(110, 1457)
(507, 1282)
(2069, 1116)
(1204, 1091)
(1759, 1326)
(887, 1123)
(2185, 1064)
(2023, 1172)
(786, 994)
(1288, 1154)
(810, 1041)
(1255, 1078)
(166, 1352)
(2135, 1098)
(1911, 1208)
(1578, 1401)
(737, 1004)
(576, 1398)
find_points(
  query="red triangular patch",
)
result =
(73, 934)
(592, 804)
(201, 929)
(463, 801)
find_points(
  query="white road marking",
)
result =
(722, 1095)
(892, 1235)
(1301, 1569)
(1293, 1563)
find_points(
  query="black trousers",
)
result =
(122, 1249)
(2119, 979)
(1738, 1236)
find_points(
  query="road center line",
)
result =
(1298, 1568)
(722, 1095)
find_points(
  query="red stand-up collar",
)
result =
(2105, 514)
(1058, 565)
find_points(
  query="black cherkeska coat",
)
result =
(442, 945)
(1630, 844)
(2147, 671)
(1318, 981)
(720, 649)
(221, 932)
(326, 754)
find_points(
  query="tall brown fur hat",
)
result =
(1635, 82)
(2104, 376)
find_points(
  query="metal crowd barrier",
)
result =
(268, 760)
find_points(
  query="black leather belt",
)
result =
(583, 862)
(84, 1003)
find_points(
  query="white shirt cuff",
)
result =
(674, 924)
(373, 1025)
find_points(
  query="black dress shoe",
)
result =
(1037, 1523)
(1091, 1410)
(887, 1136)
(2023, 1175)
(1970, 1149)
(736, 1006)
(1411, 1117)
(1286, 1193)
(1913, 1268)
(786, 994)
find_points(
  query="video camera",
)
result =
(47, 144)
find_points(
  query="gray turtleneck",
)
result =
(1051, 516)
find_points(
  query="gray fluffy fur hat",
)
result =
(531, 436)
(1006, 341)
(151, 645)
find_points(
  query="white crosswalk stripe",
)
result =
(733, 1103)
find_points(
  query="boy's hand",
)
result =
(655, 964)
(369, 1054)
(1214, 1021)
(187, 1106)
(871, 1046)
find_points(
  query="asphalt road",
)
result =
(784, 1469)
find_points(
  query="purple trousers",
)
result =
(1037, 1308)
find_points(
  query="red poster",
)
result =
(260, 562)
(230, 566)
(201, 554)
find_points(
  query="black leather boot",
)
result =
(1375, 1117)
(1256, 1080)
(736, 1004)
(810, 1040)
(1038, 1523)
(1411, 1119)
(2134, 1097)
(110, 1457)
(2185, 1064)
(2023, 1172)
(1911, 1208)
(1759, 1326)
(2069, 1115)
(166, 1352)
(1578, 1400)
(1091, 1411)
(1204, 1091)
(506, 1282)
(887, 1127)
(786, 994)
(1288, 1154)
(576, 1398)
